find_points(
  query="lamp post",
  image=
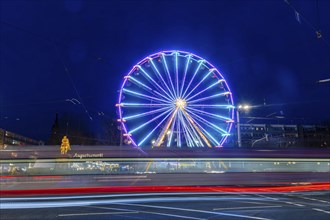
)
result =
(238, 109)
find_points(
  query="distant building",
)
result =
(282, 135)
(8, 138)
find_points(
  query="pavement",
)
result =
(229, 205)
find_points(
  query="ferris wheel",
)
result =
(175, 98)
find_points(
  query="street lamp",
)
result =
(238, 109)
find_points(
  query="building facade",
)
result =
(283, 135)
(8, 138)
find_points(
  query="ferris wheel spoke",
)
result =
(142, 96)
(171, 131)
(186, 132)
(209, 72)
(161, 78)
(146, 113)
(196, 131)
(192, 78)
(168, 74)
(147, 88)
(139, 105)
(177, 74)
(210, 97)
(212, 106)
(178, 131)
(207, 88)
(148, 122)
(216, 116)
(208, 134)
(153, 130)
(208, 123)
(164, 131)
(185, 74)
(153, 81)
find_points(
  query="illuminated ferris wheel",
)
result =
(175, 98)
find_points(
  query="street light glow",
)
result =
(245, 107)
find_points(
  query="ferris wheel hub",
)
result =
(180, 103)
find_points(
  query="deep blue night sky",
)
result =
(265, 54)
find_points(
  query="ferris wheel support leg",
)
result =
(161, 137)
(198, 130)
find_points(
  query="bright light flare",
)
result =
(180, 103)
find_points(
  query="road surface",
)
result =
(261, 206)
